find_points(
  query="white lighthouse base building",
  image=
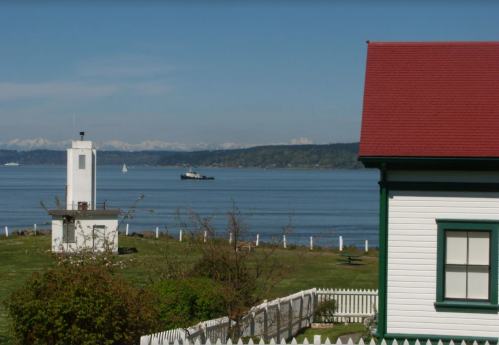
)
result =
(76, 231)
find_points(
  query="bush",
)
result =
(70, 304)
(186, 302)
(233, 278)
(325, 310)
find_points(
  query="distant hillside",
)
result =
(50, 157)
(329, 156)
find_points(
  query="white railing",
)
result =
(352, 304)
(279, 319)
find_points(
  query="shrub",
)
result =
(186, 302)
(70, 304)
(325, 310)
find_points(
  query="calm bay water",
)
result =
(346, 200)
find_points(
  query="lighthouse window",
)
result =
(81, 162)
(68, 230)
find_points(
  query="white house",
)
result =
(83, 224)
(431, 125)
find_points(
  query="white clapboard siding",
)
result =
(279, 319)
(412, 229)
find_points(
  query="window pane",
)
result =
(455, 282)
(478, 247)
(81, 162)
(71, 232)
(456, 250)
(65, 233)
(478, 282)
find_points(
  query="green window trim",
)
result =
(491, 306)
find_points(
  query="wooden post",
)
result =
(157, 232)
(126, 230)
(6, 232)
(311, 243)
(367, 246)
(284, 241)
(257, 240)
(205, 234)
(34, 228)
(180, 237)
(230, 237)
(341, 243)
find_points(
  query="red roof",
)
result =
(431, 99)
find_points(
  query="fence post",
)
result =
(313, 299)
(257, 240)
(341, 243)
(367, 246)
(230, 237)
(126, 230)
(205, 234)
(284, 241)
(34, 228)
(180, 237)
(6, 232)
(157, 232)
(311, 243)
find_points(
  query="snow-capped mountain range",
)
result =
(149, 145)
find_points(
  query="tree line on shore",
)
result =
(328, 156)
(52, 157)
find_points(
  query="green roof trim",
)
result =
(432, 163)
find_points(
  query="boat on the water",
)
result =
(192, 175)
(12, 164)
(124, 168)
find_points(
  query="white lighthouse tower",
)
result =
(82, 174)
(84, 224)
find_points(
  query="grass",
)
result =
(21, 256)
(333, 334)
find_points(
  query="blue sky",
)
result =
(243, 72)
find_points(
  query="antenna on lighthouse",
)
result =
(74, 118)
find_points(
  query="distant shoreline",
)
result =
(199, 167)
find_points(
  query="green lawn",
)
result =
(338, 330)
(21, 256)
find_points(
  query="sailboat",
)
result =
(124, 168)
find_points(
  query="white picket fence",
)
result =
(279, 319)
(352, 304)
(318, 341)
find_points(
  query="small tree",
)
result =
(243, 275)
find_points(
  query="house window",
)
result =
(68, 229)
(467, 265)
(467, 255)
(81, 161)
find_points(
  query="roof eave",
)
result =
(431, 163)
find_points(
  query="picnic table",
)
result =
(349, 258)
(244, 245)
